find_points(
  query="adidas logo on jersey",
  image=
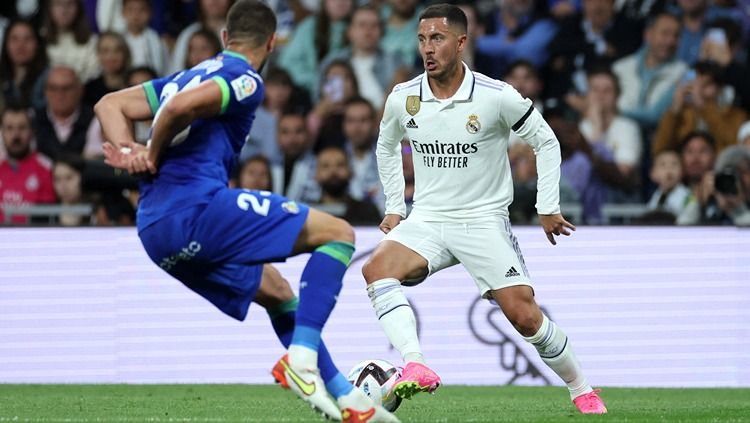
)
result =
(411, 124)
(512, 272)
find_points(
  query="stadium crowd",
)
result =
(650, 100)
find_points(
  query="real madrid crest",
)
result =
(412, 104)
(473, 125)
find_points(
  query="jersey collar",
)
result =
(230, 53)
(464, 93)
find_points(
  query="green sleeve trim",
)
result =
(341, 251)
(283, 308)
(153, 99)
(224, 93)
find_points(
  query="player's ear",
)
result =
(462, 42)
(224, 37)
(271, 43)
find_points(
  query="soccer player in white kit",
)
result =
(458, 123)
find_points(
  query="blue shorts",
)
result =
(218, 249)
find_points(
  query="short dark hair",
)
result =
(251, 20)
(521, 63)
(705, 136)
(605, 71)
(710, 69)
(18, 108)
(360, 100)
(453, 14)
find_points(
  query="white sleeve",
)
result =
(388, 153)
(521, 116)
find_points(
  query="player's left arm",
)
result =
(201, 102)
(117, 111)
(521, 116)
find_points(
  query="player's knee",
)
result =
(342, 231)
(372, 270)
(523, 318)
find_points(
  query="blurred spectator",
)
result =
(609, 132)
(338, 84)
(67, 172)
(474, 59)
(109, 16)
(723, 45)
(593, 39)
(520, 33)
(743, 135)
(376, 70)
(401, 19)
(113, 210)
(23, 65)
(69, 40)
(724, 192)
(671, 195)
(203, 45)
(25, 175)
(589, 170)
(732, 184)
(648, 77)
(137, 76)
(294, 177)
(280, 96)
(524, 77)
(698, 152)
(314, 38)
(66, 124)
(695, 16)
(696, 104)
(114, 59)
(146, 46)
(639, 10)
(360, 130)
(255, 173)
(212, 14)
(333, 175)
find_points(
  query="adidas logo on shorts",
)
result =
(512, 272)
(411, 124)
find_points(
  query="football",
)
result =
(376, 378)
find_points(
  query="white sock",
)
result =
(554, 348)
(396, 317)
(301, 357)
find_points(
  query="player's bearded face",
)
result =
(440, 47)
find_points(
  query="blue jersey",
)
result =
(200, 159)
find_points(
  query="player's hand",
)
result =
(130, 156)
(389, 222)
(555, 224)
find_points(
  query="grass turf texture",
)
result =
(266, 403)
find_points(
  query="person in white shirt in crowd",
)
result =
(670, 195)
(212, 15)
(612, 136)
(146, 47)
(458, 122)
(376, 70)
(69, 39)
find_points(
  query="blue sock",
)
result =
(282, 319)
(320, 284)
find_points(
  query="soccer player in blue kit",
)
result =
(216, 240)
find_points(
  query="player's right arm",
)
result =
(388, 152)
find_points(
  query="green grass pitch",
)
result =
(266, 403)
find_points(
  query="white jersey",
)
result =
(460, 149)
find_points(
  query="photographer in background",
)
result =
(728, 192)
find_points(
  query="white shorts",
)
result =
(486, 247)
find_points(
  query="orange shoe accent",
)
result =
(278, 372)
(351, 415)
